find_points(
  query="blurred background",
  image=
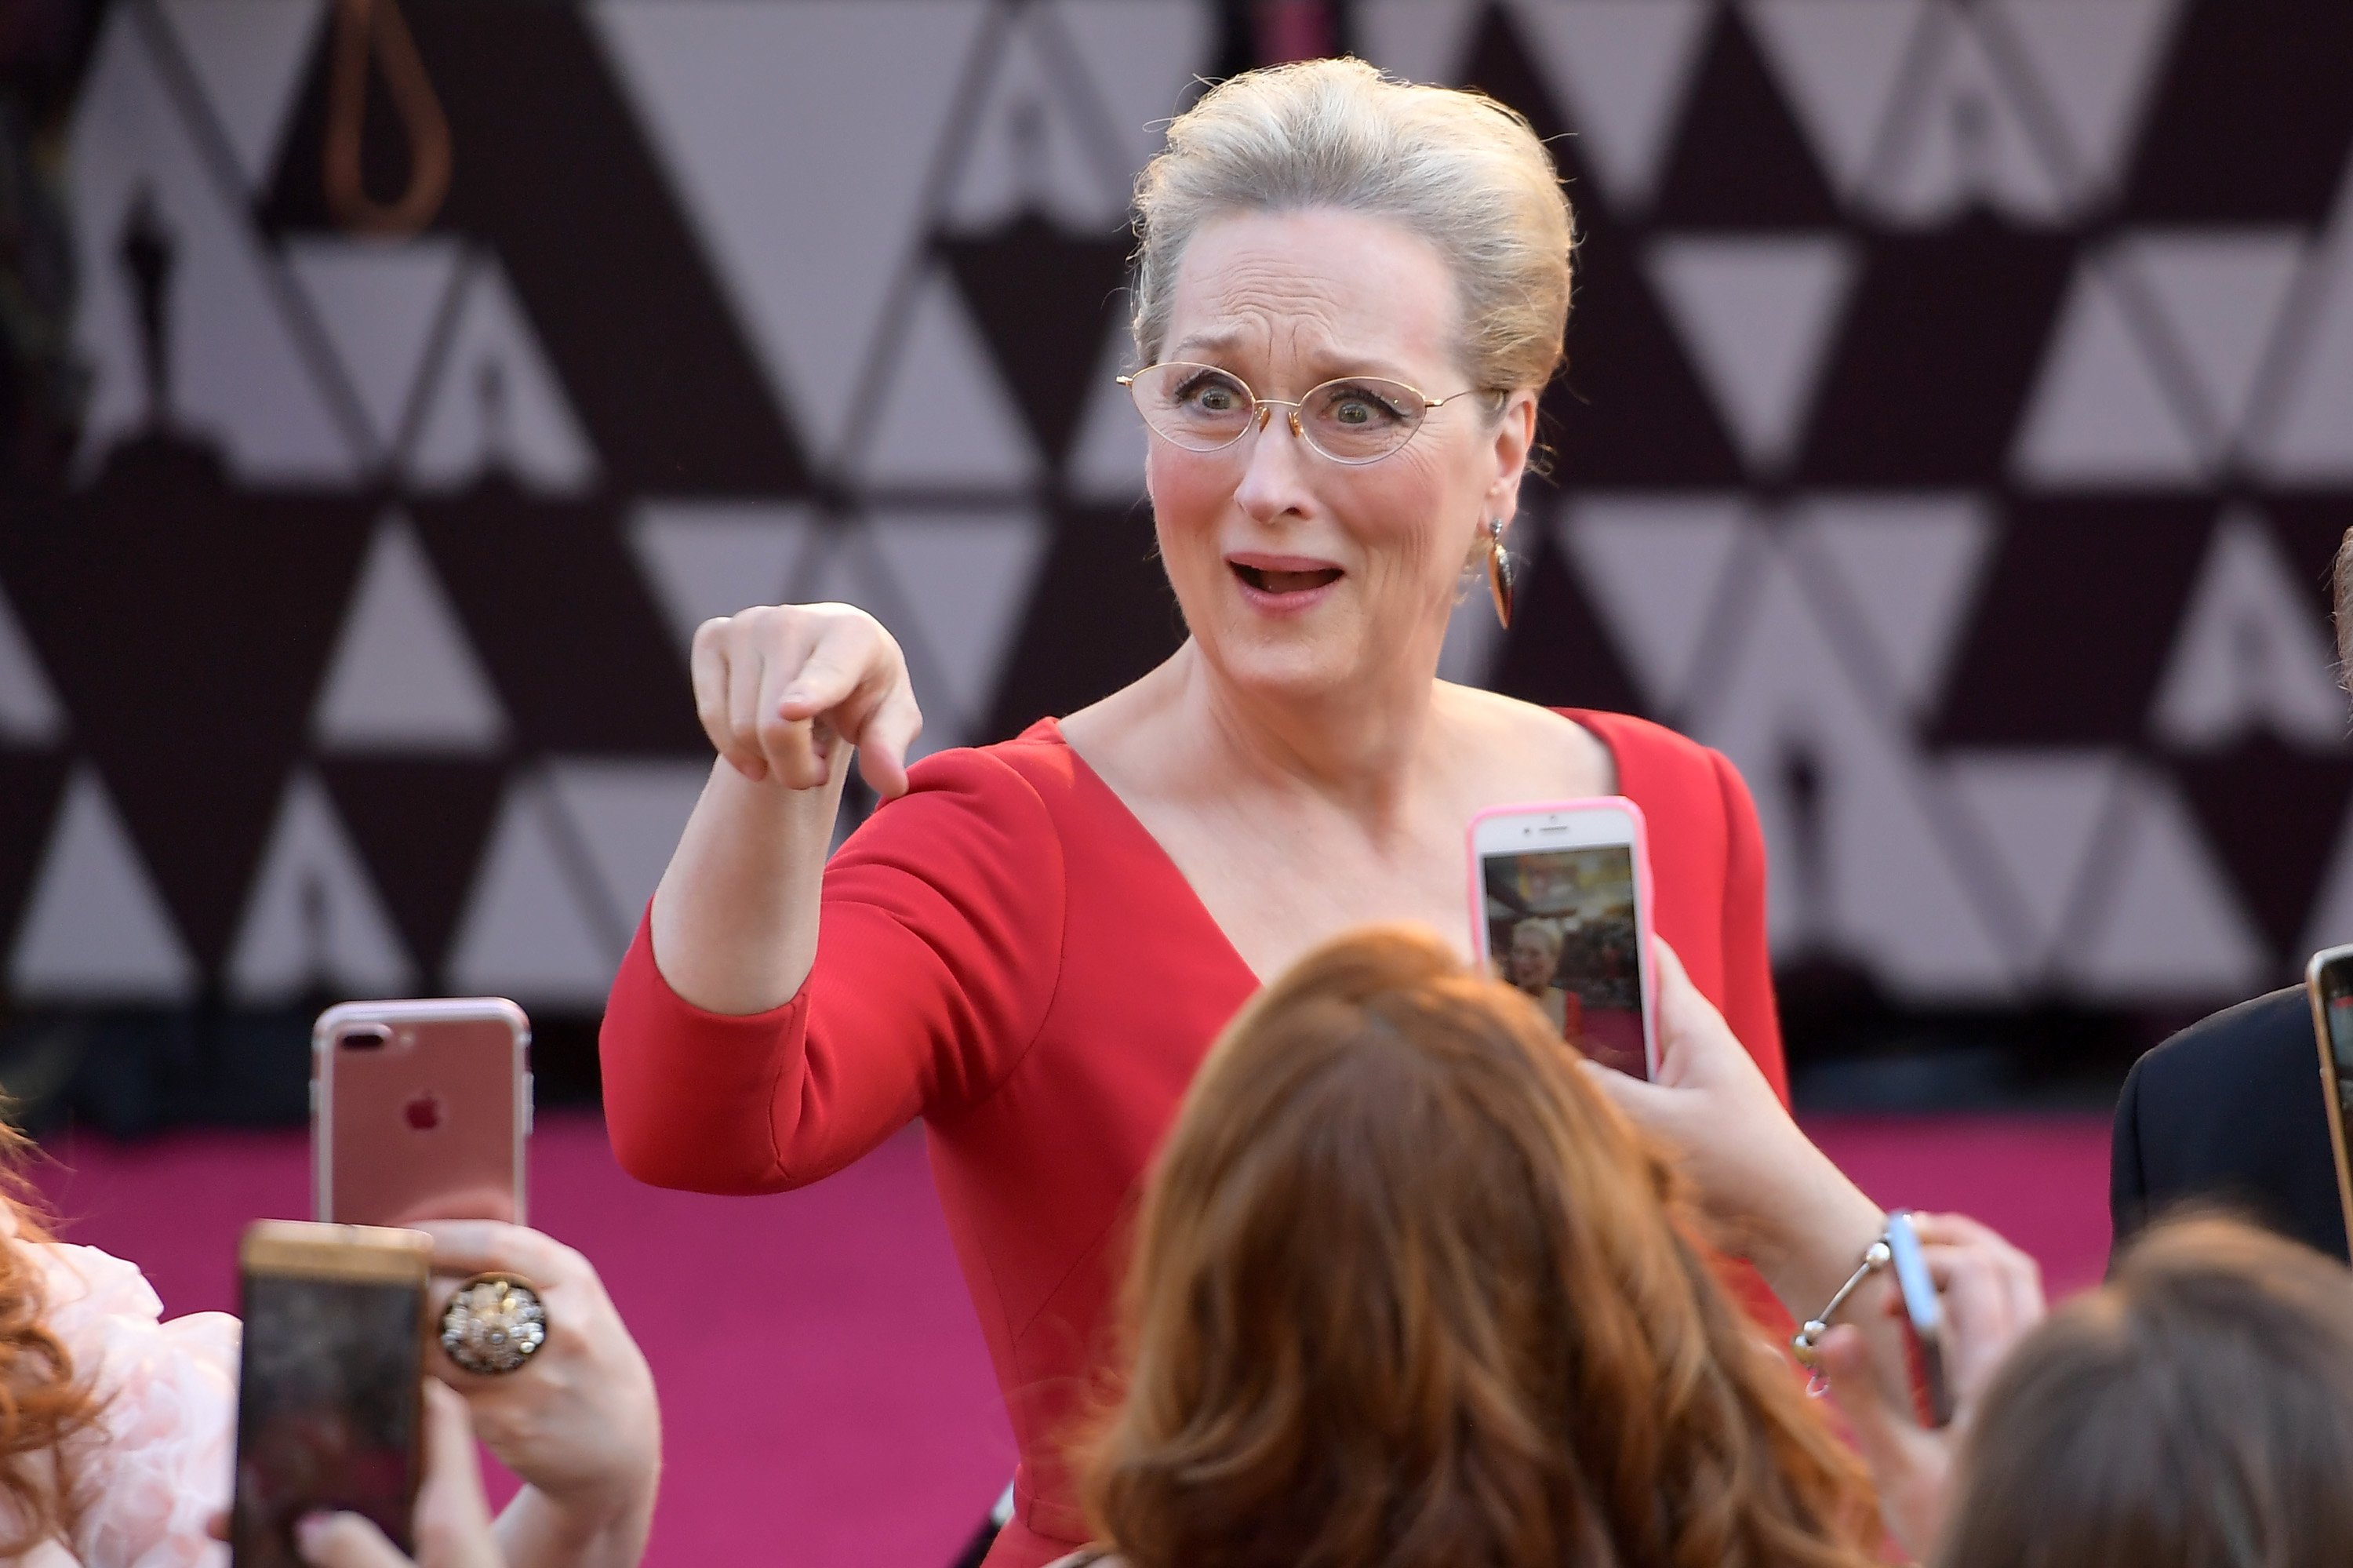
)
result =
(1958, 425)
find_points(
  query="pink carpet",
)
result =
(825, 1394)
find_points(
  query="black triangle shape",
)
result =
(2079, 610)
(2278, 852)
(2251, 120)
(422, 825)
(1557, 653)
(1936, 362)
(32, 783)
(191, 653)
(551, 171)
(556, 605)
(1046, 300)
(1739, 160)
(1100, 616)
(1629, 409)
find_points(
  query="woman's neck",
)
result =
(1362, 749)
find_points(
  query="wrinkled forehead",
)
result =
(1304, 296)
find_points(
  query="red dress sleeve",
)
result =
(1748, 1005)
(938, 950)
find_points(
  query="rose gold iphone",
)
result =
(1560, 909)
(419, 1110)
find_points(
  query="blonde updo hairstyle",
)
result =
(1461, 170)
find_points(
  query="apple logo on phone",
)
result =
(424, 1112)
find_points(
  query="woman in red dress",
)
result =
(1349, 293)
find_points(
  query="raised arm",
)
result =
(785, 693)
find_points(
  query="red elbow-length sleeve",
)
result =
(1748, 1005)
(939, 948)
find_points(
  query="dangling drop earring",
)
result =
(1499, 571)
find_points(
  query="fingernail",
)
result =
(794, 693)
(310, 1530)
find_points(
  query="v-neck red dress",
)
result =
(1008, 953)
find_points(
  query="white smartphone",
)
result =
(419, 1110)
(2328, 983)
(1560, 908)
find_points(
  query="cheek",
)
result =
(1188, 496)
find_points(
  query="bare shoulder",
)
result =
(1546, 751)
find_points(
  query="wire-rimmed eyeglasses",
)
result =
(1351, 420)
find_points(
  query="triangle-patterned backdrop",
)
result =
(1959, 424)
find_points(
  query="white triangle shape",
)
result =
(494, 401)
(525, 932)
(1143, 57)
(30, 714)
(2310, 441)
(1963, 136)
(2252, 653)
(404, 676)
(249, 54)
(2220, 292)
(627, 815)
(1887, 888)
(1417, 40)
(1910, 566)
(966, 579)
(1622, 68)
(238, 374)
(1656, 566)
(2038, 813)
(95, 929)
(2098, 415)
(800, 139)
(314, 917)
(1107, 460)
(947, 417)
(1758, 316)
(1839, 63)
(709, 558)
(2330, 923)
(2171, 927)
(2095, 63)
(1027, 146)
(378, 303)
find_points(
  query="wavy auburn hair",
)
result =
(1409, 1293)
(44, 1404)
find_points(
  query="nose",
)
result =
(1274, 481)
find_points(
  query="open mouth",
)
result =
(1281, 582)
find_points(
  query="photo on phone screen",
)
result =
(329, 1402)
(1561, 928)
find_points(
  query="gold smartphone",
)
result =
(419, 1110)
(331, 1385)
(2328, 983)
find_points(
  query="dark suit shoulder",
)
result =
(2229, 1111)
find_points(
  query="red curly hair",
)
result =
(1409, 1293)
(44, 1402)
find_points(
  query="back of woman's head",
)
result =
(2195, 1412)
(1408, 1291)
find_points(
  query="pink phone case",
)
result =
(1646, 963)
(428, 1122)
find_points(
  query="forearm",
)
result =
(735, 917)
(537, 1532)
(1808, 1228)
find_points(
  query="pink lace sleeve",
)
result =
(160, 1468)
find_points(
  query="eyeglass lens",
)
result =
(1354, 419)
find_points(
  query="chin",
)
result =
(1285, 663)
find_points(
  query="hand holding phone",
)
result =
(1560, 909)
(1924, 1321)
(330, 1381)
